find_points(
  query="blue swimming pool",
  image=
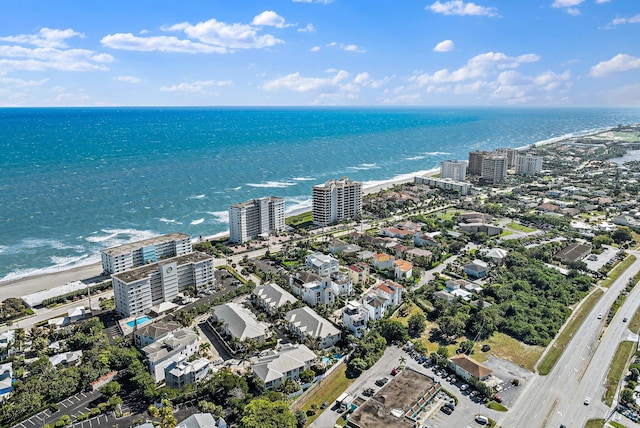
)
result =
(139, 321)
(326, 360)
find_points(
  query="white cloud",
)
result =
(21, 83)
(602, 1)
(566, 3)
(194, 87)
(210, 36)
(269, 18)
(308, 29)
(314, 49)
(45, 38)
(444, 46)
(618, 21)
(313, 1)
(458, 7)
(129, 79)
(573, 11)
(617, 64)
(127, 41)
(346, 48)
(296, 82)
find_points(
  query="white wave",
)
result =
(303, 179)
(275, 184)
(415, 158)
(198, 221)
(66, 261)
(66, 265)
(169, 221)
(115, 237)
(221, 216)
(236, 188)
(363, 167)
(32, 243)
(300, 205)
(197, 197)
(436, 153)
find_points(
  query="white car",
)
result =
(587, 401)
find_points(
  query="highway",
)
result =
(581, 371)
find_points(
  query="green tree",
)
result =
(301, 419)
(307, 376)
(451, 327)
(416, 324)
(621, 235)
(393, 331)
(627, 395)
(600, 240)
(261, 413)
(111, 388)
(356, 366)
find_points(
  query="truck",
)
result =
(344, 401)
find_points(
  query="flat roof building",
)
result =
(255, 218)
(128, 256)
(528, 164)
(336, 200)
(456, 170)
(139, 289)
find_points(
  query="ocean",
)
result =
(74, 181)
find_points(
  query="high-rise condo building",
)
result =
(128, 256)
(139, 289)
(510, 154)
(494, 168)
(254, 218)
(475, 161)
(453, 169)
(528, 164)
(336, 200)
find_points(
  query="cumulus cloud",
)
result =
(346, 47)
(314, 49)
(128, 79)
(617, 64)
(269, 18)
(195, 87)
(566, 3)
(308, 29)
(210, 36)
(45, 38)
(444, 46)
(21, 83)
(619, 21)
(458, 7)
(296, 82)
(573, 11)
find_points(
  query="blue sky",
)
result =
(319, 52)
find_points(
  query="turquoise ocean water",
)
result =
(74, 181)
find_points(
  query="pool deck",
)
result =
(126, 329)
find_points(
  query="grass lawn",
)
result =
(616, 424)
(594, 423)
(506, 232)
(510, 349)
(634, 324)
(636, 237)
(329, 390)
(520, 228)
(299, 219)
(618, 270)
(494, 405)
(567, 333)
(616, 370)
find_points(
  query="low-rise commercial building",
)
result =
(468, 368)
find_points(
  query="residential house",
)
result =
(425, 239)
(338, 246)
(239, 322)
(6, 380)
(547, 207)
(403, 269)
(496, 255)
(171, 349)
(394, 232)
(184, 373)
(476, 269)
(151, 333)
(468, 368)
(359, 273)
(385, 295)
(418, 252)
(306, 324)
(355, 317)
(365, 255)
(288, 362)
(382, 261)
(391, 291)
(201, 420)
(445, 295)
(7, 339)
(344, 283)
(272, 297)
(322, 264)
(66, 359)
(73, 315)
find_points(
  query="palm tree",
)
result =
(402, 360)
(204, 348)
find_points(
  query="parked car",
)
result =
(497, 398)
(368, 392)
(625, 319)
(464, 387)
(446, 410)
(587, 401)
(324, 405)
(382, 381)
(483, 420)
(394, 372)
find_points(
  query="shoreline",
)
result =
(41, 281)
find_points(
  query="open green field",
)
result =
(520, 228)
(299, 220)
(634, 324)
(594, 423)
(567, 333)
(329, 390)
(506, 232)
(618, 270)
(616, 370)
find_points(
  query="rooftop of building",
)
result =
(399, 395)
(143, 272)
(344, 181)
(468, 364)
(127, 248)
(309, 322)
(157, 329)
(251, 202)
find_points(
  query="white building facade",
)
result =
(456, 170)
(254, 218)
(137, 290)
(129, 256)
(528, 164)
(336, 200)
(322, 264)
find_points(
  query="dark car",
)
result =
(368, 392)
(446, 410)
(382, 381)
(497, 398)
(324, 405)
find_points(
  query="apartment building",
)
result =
(510, 154)
(128, 256)
(456, 170)
(494, 168)
(475, 161)
(463, 188)
(285, 363)
(322, 264)
(139, 289)
(336, 200)
(528, 164)
(255, 218)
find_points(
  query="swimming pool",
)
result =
(326, 360)
(139, 321)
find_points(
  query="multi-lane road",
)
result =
(558, 398)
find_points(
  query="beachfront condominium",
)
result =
(453, 169)
(528, 164)
(475, 161)
(510, 154)
(336, 200)
(138, 290)
(494, 168)
(254, 218)
(129, 256)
